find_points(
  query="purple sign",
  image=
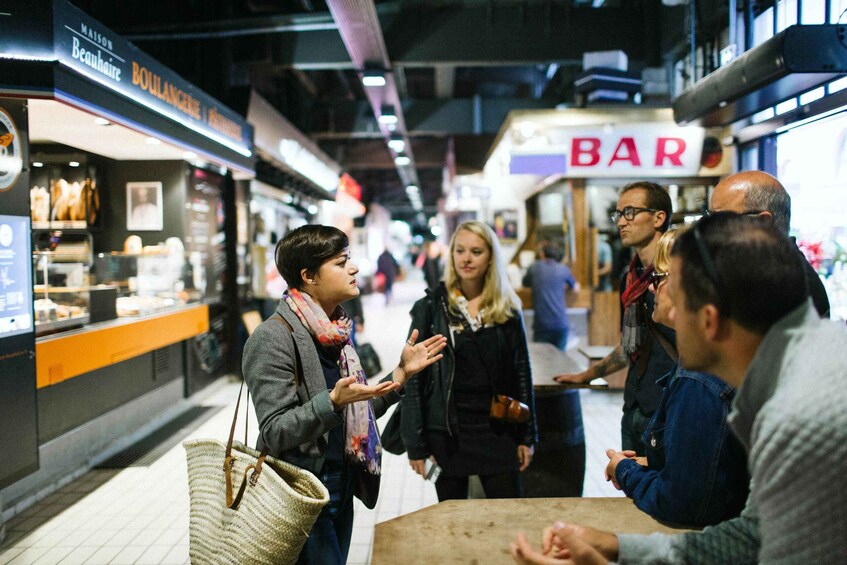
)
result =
(538, 164)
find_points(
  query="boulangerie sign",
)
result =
(630, 150)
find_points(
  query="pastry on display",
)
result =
(45, 310)
(39, 204)
(132, 245)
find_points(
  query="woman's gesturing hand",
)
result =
(418, 356)
(348, 390)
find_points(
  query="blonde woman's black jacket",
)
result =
(428, 403)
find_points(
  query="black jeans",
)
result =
(633, 424)
(501, 485)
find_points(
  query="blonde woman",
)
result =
(446, 410)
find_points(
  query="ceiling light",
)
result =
(74, 164)
(387, 115)
(312, 209)
(102, 122)
(397, 143)
(412, 189)
(402, 160)
(152, 141)
(373, 77)
(37, 164)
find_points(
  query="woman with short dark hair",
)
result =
(314, 406)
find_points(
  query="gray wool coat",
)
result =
(294, 421)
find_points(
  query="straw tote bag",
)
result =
(266, 521)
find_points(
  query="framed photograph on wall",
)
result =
(506, 225)
(144, 206)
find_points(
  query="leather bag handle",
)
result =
(229, 460)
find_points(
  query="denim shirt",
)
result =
(697, 471)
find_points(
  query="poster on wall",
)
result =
(206, 239)
(506, 225)
(144, 207)
(15, 276)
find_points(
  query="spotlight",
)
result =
(373, 77)
(402, 160)
(387, 115)
(397, 143)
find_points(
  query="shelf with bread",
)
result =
(64, 193)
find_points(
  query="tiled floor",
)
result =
(140, 514)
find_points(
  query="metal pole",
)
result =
(692, 20)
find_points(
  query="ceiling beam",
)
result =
(425, 37)
(361, 33)
(423, 117)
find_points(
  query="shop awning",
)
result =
(51, 49)
(796, 60)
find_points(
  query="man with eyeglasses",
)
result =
(757, 193)
(642, 215)
(740, 308)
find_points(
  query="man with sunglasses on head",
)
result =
(741, 311)
(756, 193)
(642, 215)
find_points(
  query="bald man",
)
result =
(761, 194)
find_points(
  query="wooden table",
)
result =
(547, 361)
(479, 531)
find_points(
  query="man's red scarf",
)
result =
(636, 285)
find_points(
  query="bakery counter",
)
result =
(73, 353)
(479, 531)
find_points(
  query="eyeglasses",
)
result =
(711, 270)
(629, 213)
(656, 279)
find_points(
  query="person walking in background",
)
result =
(387, 267)
(695, 473)
(431, 265)
(312, 400)
(642, 216)
(604, 263)
(549, 279)
(447, 409)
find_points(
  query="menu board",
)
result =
(15, 276)
(205, 240)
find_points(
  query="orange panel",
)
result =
(64, 357)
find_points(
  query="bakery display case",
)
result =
(155, 279)
(64, 295)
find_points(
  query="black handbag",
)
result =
(391, 439)
(369, 359)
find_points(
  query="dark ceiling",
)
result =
(458, 67)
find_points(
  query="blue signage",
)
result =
(95, 51)
(15, 276)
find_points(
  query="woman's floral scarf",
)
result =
(361, 444)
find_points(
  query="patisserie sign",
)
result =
(97, 52)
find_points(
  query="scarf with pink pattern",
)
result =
(361, 443)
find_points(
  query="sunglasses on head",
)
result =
(709, 267)
(656, 279)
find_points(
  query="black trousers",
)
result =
(501, 485)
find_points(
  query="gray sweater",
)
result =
(294, 421)
(791, 415)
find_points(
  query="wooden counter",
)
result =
(66, 355)
(547, 361)
(479, 531)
